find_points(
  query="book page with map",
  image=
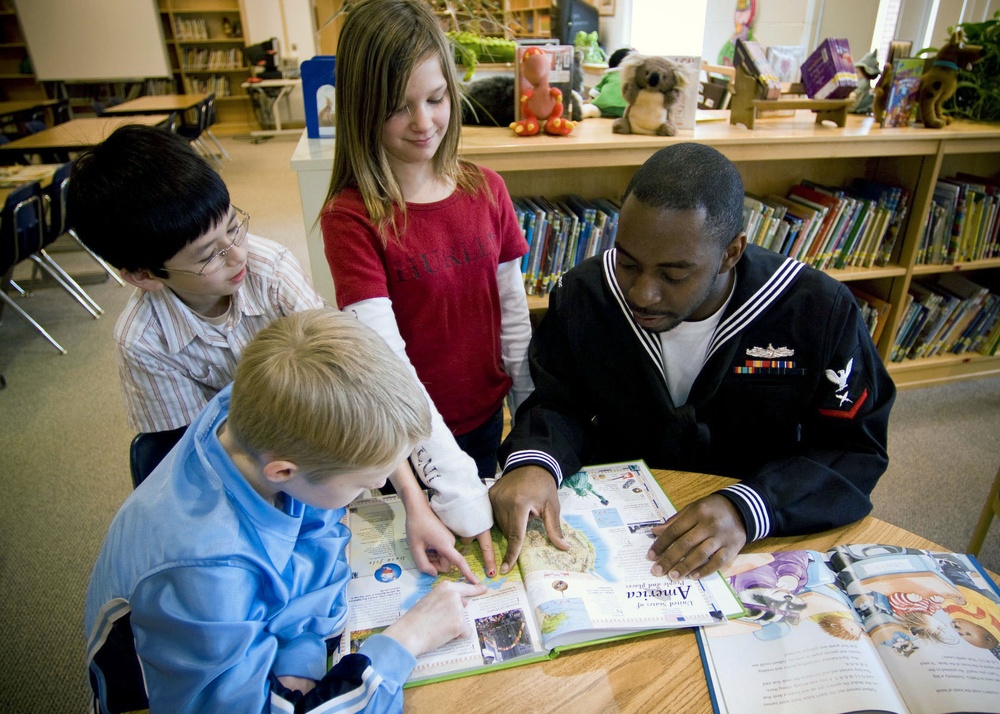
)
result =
(600, 589)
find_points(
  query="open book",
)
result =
(858, 628)
(600, 589)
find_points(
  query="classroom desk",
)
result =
(653, 673)
(267, 93)
(13, 176)
(157, 104)
(22, 106)
(74, 135)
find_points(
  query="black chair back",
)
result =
(147, 451)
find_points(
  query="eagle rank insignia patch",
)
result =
(843, 405)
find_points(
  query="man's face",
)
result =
(668, 269)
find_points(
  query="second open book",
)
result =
(600, 589)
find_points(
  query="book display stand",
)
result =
(744, 105)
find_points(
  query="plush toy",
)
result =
(939, 82)
(541, 104)
(651, 86)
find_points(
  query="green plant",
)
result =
(978, 93)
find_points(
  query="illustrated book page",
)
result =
(601, 588)
(859, 628)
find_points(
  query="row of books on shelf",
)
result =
(962, 222)
(950, 314)
(217, 83)
(206, 59)
(561, 234)
(186, 28)
(829, 227)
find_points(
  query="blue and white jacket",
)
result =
(204, 594)
(793, 399)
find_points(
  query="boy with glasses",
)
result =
(152, 207)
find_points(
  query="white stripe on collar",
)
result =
(649, 341)
(731, 326)
(742, 316)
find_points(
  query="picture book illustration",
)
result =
(599, 589)
(858, 628)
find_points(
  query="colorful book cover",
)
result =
(901, 101)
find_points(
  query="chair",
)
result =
(33, 237)
(192, 131)
(57, 224)
(990, 509)
(13, 213)
(147, 451)
(209, 121)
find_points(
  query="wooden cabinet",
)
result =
(17, 78)
(205, 40)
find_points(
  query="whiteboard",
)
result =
(94, 39)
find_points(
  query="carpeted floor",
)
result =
(64, 446)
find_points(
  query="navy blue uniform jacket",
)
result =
(793, 398)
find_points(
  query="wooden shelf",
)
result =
(777, 153)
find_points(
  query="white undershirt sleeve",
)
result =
(458, 497)
(515, 331)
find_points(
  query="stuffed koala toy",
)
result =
(651, 85)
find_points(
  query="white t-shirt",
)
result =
(684, 349)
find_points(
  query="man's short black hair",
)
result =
(140, 196)
(690, 176)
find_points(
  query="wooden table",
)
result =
(157, 104)
(654, 673)
(74, 135)
(13, 176)
(25, 105)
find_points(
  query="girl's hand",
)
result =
(485, 540)
(433, 545)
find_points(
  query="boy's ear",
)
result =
(279, 471)
(143, 279)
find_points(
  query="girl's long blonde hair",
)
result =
(381, 43)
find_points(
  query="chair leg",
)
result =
(108, 268)
(75, 286)
(30, 320)
(77, 292)
(215, 141)
(20, 291)
(990, 509)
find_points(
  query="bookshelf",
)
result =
(529, 18)
(205, 40)
(17, 78)
(593, 162)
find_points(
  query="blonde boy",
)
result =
(221, 582)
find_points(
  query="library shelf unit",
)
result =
(593, 162)
(15, 82)
(205, 40)
(529, 18)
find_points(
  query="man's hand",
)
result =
(525, 493)
(437, 618)
(698, 540)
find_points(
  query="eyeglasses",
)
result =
(215, 263)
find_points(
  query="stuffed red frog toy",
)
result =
(541, 104)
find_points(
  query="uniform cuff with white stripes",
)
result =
(752, 508)
(532, 457)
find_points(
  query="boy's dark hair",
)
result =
(690, 176)
(140, 196)
(618, 55)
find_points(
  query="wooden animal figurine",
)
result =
(541, 104)
(939, 82)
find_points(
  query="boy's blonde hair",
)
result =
(320, 389)
(380, 45)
